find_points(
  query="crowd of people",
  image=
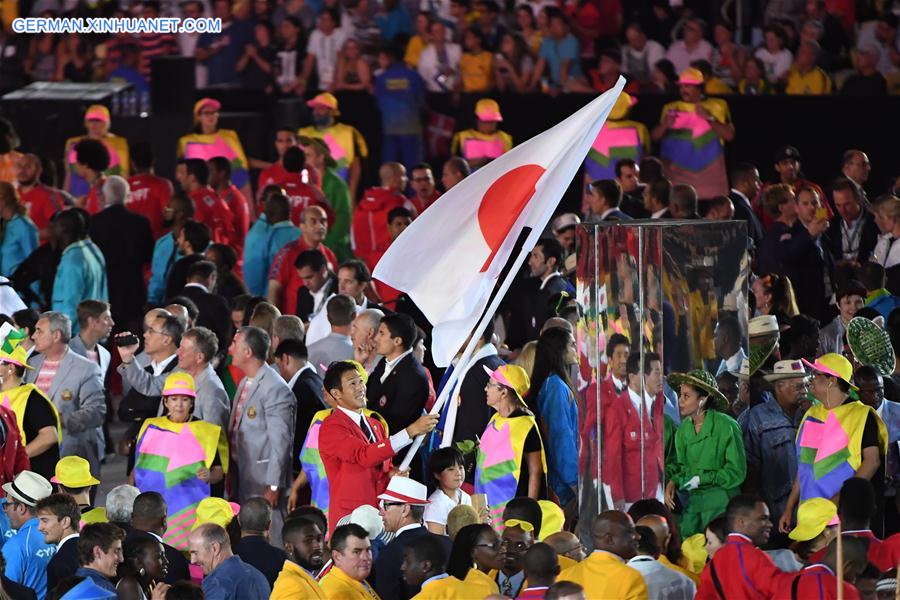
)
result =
(271, 392)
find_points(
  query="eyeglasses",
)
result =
(494, 546)
(386, 505)
(573, 549)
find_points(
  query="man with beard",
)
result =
(41, 201)
(166, 251)
(304, 544)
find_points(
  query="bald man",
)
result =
(541, 570)
(370, 234)
(660, 528)
(567, 544)
(604, 572)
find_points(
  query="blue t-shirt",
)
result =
(555, 52)
(394, 23)
(400, 94)
(222, 66)
(235, 580)
(27, 556)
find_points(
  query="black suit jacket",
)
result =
(868, 237)
(617, 215)
(305, 301)
(178, 275)
(17, 591)
(63, 564)
(632, 204)
(179, 567)
(744, 212)
(214, 314)
(389, 580)
(127, 245)
(257, 552)
(400, 400)
(308, 392)
(538, 308)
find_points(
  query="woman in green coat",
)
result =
(710, 464)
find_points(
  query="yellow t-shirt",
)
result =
(294, 582)
(607, 576)
(472, 144)
(476, 71)
(414, 50)
(344, 142)
(814, 82)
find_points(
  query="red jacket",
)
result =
(211, 210)
(588, 432)
(14, 458)
(303, 195)
(42, 202)
(884, 554)
(149, 196)
(622, 431)
(274, 174)
(357, 469)
(240, 218)
(815, 582)
(284, 272)
(369, 234)
(743, 570)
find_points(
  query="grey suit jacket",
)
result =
(77, 393)
(211, 404)
(334, 346)
(265, 433)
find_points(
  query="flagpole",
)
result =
(840, 563)
(463, 362)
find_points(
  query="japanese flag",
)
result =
(449, 258)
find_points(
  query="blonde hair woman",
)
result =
(526, 357)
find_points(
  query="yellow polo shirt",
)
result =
(606, 575)
(295, 582)
(451, 588)
(337, 585)
(812, 83)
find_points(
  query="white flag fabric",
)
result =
(449, 258)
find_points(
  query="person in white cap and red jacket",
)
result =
(402, 507)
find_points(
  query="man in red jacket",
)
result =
(298, 189)
(40, 201)
(220, 181)
(740, 569)
(818, 581)
(355, 444)
(283, 279)
(209, 208)
(369, 235)
(149, 193)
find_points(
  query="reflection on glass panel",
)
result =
(653, 294)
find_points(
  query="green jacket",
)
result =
(716, 454)
(338, 195)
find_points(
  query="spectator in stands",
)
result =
(400, 95)
(439, 61)
(220, 51)
(226, 576)
(866, 81)
(774, 54)
(513, 64)
(754, 82)
(640, 54)
(257, 62)
(353, 71)
(691, 46)
(804, 77)
(558, 68)
(476, 65)
(322, 51)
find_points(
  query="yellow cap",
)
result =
(74, 472)
(215, 510)
(325, 100)
(833, 365)
(552, 518)
(512, 376)
(694, 548)
(179, 384)
(488, 110)
(17, 357)
(813, 516)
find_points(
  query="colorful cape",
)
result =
(119, 162)
(167, 458)
(692, 149)
(829, 447)
(499, 461)
(16, 400)
(224, 142)
(617, 140)
(471, 144)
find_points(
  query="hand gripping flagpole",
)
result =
(463, 363)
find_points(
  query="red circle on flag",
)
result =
(502, 204)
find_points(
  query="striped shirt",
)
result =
(46, 376)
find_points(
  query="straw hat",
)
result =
(702, 380)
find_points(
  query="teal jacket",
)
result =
(20, 238)
(81, 275)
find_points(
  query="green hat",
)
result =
(702, 380)
(870, 345)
